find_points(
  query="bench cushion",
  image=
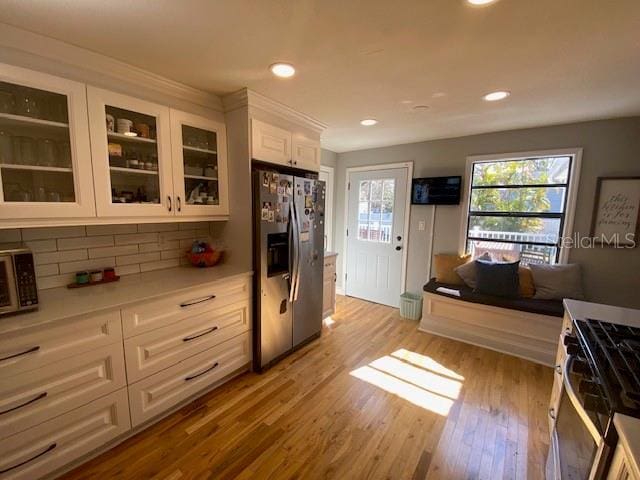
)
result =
(532, 305)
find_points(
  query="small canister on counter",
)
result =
(96, 276)
(82, 278)
(109, 274)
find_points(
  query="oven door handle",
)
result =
(571, 393)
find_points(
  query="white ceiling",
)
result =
(563, 60)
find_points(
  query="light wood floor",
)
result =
(324, 412)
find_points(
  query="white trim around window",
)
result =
(572, 189)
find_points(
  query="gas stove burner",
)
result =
(612, 352)
(630, 345)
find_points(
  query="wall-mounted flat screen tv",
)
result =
(436, 191)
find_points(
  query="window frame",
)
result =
(566, 218)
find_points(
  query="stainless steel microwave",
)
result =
(18, 289)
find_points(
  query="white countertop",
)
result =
(579, 310)
(60, 303)
(628, 429)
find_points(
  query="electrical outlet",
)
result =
(421, 225)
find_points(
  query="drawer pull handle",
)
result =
(30, 350)
(199, 300)
(49, 448)
(28, 402)
(552, 413)
(191, 377)
(206, 332)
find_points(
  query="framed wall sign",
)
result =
(616, 214)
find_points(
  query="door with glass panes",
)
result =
(45, 159)
(375, 230)
(131, 151)
(199, 148)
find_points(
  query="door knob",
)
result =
(399, 237)
(398, 248)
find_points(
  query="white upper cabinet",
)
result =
(45, 159)
(270, 144)
(306, 153)
(131, 151)
(199, 152)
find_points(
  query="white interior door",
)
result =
(376, 234)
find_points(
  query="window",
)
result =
(518, 207)
(375, 210)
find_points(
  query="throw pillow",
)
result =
(468, 271)
(555, 282)
(527, 288)
(445, 264)
(498, 279)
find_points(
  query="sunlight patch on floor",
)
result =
(415, 378)
(425, 362)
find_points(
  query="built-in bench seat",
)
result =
(525, 327)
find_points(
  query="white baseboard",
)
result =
(339, 290)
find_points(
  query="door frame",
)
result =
(328, 206)
(407, 214)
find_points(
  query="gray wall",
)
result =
(611, 147)
(328, 158)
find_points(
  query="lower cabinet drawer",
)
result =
(154, 351)
(31, 398)
(37, 347)
(148, 316)
(159, 392)
(42, 449)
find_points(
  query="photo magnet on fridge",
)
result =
(271, 216)
(265, 179)
(273, 187)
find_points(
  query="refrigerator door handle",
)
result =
(297, 245)
(293, 248)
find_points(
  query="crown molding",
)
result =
(249, 98)
(76, 57)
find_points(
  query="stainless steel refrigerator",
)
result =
(288, 261)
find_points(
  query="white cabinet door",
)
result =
(131, 153)
(269, 143)
(306, 153)
(199, 151)
(40, 450)
(45, 159)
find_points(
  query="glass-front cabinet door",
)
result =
(199, 165)
(131, 148)
(45, 158)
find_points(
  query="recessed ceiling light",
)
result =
(420, 108)
(284, 70)
(367, 122)
(480, 2)
(494, 96)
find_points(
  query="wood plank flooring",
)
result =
(324, 412)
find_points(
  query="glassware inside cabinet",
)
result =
(35, 151)
(133, 156)
(200, 157)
